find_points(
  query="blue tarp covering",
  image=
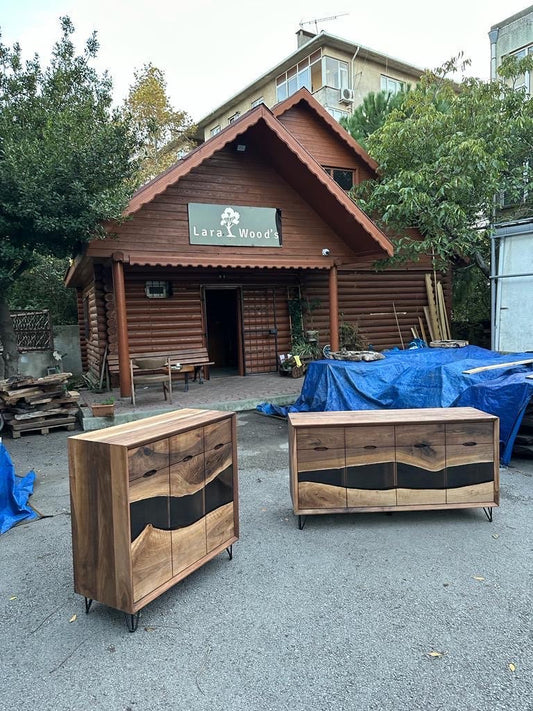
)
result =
(14, 493)
(423, 377)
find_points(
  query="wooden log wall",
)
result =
(324, 146)
(368, 299)
(81, 330)
(178, 321)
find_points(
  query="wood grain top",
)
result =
(391, 417)
(151, 428)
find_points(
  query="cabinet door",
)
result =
(187, 510)
(420, 464)
(149, 521)
(321, 468)
(370, 471)
(470, 462)
(219, 478)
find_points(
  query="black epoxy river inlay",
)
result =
(171, 513)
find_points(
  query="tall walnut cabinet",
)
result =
(151, 501)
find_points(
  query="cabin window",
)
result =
(390, 85)
(344, 177)
(157, 289)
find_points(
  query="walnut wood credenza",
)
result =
(151, 501)
(393, 460)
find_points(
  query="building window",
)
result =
(306, 73)
(335, 73)
(234, 117)
(214, 131)
(258, 101)
(390, 85)
(344, 177)
(336, 113)
(523, 81)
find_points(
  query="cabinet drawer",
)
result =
(217, 434)
(320, 458)
(320, 438)
(148, 458)
(369, 437)
(420, 436)
(186, 445)
(188, 476)
(469, 433)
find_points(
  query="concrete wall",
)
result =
(66, 342)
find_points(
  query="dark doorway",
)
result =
(222, 321)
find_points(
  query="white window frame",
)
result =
(234, 117)
(391, 85)
(258, 101)
(215, 130)
(296, 77)
(342, 72)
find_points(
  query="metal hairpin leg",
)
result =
(229, 551)
(488, 512)
(88, 603)
(132, 621)
(301, 522)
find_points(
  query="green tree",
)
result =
(444, 155)
(65, 162)
(371, 114)
(42, 286)
(162, 132)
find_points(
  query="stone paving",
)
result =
(231, 392)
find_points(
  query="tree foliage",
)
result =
(371, 114)
(65, 160)
(42, 287)
(162, 132)
(444, 156)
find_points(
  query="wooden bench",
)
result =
(196, 358)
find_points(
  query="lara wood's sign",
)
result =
(233, 225)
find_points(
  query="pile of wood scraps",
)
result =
(38, 404)
(435, 311)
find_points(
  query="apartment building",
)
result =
(513, 36)
(337, 72)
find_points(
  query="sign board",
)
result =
(234, 225)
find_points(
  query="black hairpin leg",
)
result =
(88, 603)
(301, 522)
(488, 512)
(132, 621)
(229, 551)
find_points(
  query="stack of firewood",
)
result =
(38, 404)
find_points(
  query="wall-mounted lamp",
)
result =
(241, 147)
(325, 252)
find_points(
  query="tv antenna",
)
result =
(322, 19)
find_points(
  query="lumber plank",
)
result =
(498, 365)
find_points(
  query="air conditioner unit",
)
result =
(346, 96)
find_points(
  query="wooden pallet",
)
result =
(43, 426)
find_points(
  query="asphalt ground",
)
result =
(417, 610)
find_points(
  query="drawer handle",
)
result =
(421, 445)
(370, 446)
(149, 473)
(187, 458)
(218, 446)
(469, 444)
(321, 449)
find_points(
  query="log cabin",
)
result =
(211, 252)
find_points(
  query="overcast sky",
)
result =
(211, 49)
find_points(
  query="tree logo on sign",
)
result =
(229, 218)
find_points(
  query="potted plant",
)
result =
(106, 408)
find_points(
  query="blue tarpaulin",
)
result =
(14, 493)
(423, 377)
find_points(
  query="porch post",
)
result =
(122, 326)
(333, 309)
